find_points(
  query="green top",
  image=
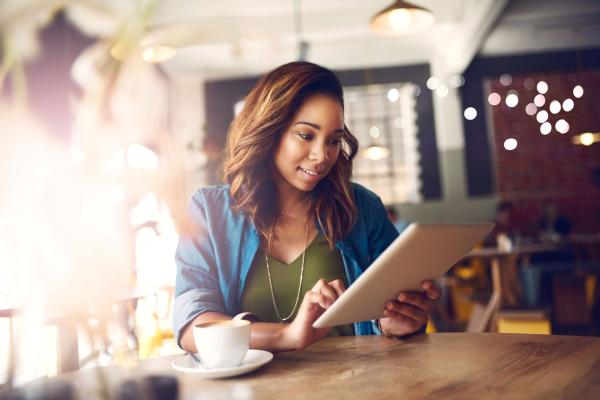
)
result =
(319, 263)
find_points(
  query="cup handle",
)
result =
(247, 316)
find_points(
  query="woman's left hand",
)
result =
(409, 311)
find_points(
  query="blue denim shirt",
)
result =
(213, 263)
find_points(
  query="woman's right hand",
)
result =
(300, 332)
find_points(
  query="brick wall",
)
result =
(548, 168)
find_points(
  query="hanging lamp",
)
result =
(402, 18)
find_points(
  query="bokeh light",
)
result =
(539, 100)
(568, 105)
(530, 109)
(562, 126)
(510, 144)
(494, 99)
(433, 83)
(542, 116)
(470, 113)
(546, 128)
(555, 107)
(512, 100)
(505, 79)
(374, 132)
(587, 138)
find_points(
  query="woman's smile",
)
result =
(310, 173)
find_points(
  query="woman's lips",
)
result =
(309, 173)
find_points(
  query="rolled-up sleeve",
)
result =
(196, 285)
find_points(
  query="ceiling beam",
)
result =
(468, 35)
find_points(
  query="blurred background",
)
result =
(114, 112)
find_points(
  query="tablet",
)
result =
(421, 252)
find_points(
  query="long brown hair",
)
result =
(254, 135)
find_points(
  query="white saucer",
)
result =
(254, 359)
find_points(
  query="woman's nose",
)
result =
(318, 152)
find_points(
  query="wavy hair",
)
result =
(252, 139)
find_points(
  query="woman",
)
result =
(289, 231)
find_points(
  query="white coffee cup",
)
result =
(222, 344)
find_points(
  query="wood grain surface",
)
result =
(436, 366)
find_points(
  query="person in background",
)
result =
(505, 237)
(289, 231)
(398, 223)
(552, 225)
(504, 224)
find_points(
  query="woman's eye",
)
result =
(305, 136)
(335, 141)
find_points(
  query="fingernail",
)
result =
(402, 297)
(390, 306)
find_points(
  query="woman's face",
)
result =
(310, 146)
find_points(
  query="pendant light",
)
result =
(375, 152)
(402, 18)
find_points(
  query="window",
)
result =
(384, 119)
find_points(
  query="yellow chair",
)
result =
(469, 278)
(524, 321)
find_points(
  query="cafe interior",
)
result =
(114, 113)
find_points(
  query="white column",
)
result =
(454, 52)
(448, 116)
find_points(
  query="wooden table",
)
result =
(435, 366)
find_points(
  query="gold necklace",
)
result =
(284, 319)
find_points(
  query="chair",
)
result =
(531, 321)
